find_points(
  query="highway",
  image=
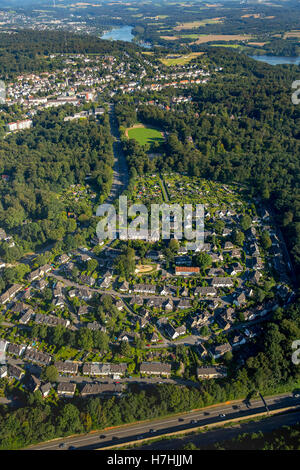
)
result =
(180, 422)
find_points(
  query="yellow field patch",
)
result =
(252, 15)
(170, 38)
(197, 24)
(180, 59)
(292, 34)
(145, 268)
(222, 37)
(256, 43)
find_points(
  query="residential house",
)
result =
(136, 300)
(175, 332)
(184, 303)
(144, 289)
(235, 269)
(155, 368)
(220, 350)
(66, 367)
(186, 270)
(66, 389)
(92, 390)
(211, 372)
(3, 371)
(39, 357)
(240, 300)
(222, 282)
(205, 291)
(16, 349)
(45, 389)
(124, 287)
(89, 280)
(104, 369)
(237, 340)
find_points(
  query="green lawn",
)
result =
(145, 135)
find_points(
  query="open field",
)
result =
(292, 34)
(252, 15)
(144, 135)
(145, 268)
(257, 43)
(181, 59)
(222, 37)
(233, 46)
(170, 38)
(197, 24)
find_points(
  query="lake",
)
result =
(276, 60)
(124, 33)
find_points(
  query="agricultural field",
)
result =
(198, 24)
(145, 135)
(222, 37)
(292, 34)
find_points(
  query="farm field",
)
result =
(204, 38)
(144, 135)
(222, 37)
(197, 24)
(292, 34)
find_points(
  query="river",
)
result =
(276, 60)
(124, 33)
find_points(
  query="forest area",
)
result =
(40, 165)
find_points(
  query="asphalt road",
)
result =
(219, 435)
(120, 168)
(142, 430)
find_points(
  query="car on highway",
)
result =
(62, 445)
(115, 438)
(102, 436)
(222, 415)
(181, 419)
(152, 431)
(193, 421)
(72, 448)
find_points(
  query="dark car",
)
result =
(180, 419)
(206, 413)
(72, 448)
(115, 438)
(62, 445)
(102, 436)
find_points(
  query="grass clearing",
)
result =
(145, 135)
(180, 59)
